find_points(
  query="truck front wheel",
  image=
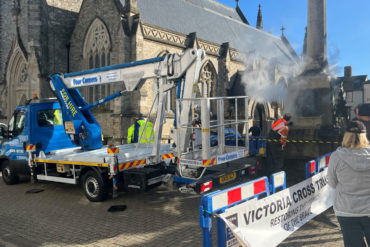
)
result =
(9, 174)
(95, 187)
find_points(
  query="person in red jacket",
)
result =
(277, 136)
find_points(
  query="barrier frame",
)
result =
(323, 162)
(208, 209)
(277, 182)
(311, 168)
(317, 165)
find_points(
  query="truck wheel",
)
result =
(9, 174)
(94, 186)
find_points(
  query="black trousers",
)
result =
(354, 229)
(274, 158)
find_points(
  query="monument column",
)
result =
(316, 58)
(309, 94)
(310, 99)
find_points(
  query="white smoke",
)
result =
(259, 82)
(333, 58)
(266, 79)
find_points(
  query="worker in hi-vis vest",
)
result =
(58, 119)
(277, 139)
(139, 130)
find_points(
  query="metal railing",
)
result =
(207, 125)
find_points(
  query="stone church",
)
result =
(42, 37)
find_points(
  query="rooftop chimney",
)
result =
(348, 71)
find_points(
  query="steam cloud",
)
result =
(264, 67)
(259, 80)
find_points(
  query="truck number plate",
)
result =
(228, 177)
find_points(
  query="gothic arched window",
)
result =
(207, 80)
(207, 84)
(96, 53)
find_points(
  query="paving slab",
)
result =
(62, 216)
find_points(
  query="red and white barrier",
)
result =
(239, 193)
(311, 168)
(323, 162)
(278, 182)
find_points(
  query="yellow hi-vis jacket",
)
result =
(58, 119)
(135, 132)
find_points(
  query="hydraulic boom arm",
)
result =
(78, 119)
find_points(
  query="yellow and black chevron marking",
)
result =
(120, 137)
(254, 139)
(295, 141)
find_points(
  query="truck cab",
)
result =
(38, 122)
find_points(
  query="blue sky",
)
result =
(348, 27)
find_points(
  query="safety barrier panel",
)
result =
(323, 162)
(311, 168)
(218, 201)
(317, 165)
(278, 182)
(257, 145)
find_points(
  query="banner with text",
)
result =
(268, 221)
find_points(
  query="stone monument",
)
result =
(309, 94)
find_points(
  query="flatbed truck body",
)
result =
(60, 140)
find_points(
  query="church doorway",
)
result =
(17, 80)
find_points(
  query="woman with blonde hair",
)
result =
(349, 175)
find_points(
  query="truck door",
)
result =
(18, 137)
(48, 132)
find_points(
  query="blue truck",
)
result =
(39, 122)
(59, 139)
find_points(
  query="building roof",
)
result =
(214, 22)
(353, 83)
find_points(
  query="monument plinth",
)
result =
(312, 110)
(311, 101)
